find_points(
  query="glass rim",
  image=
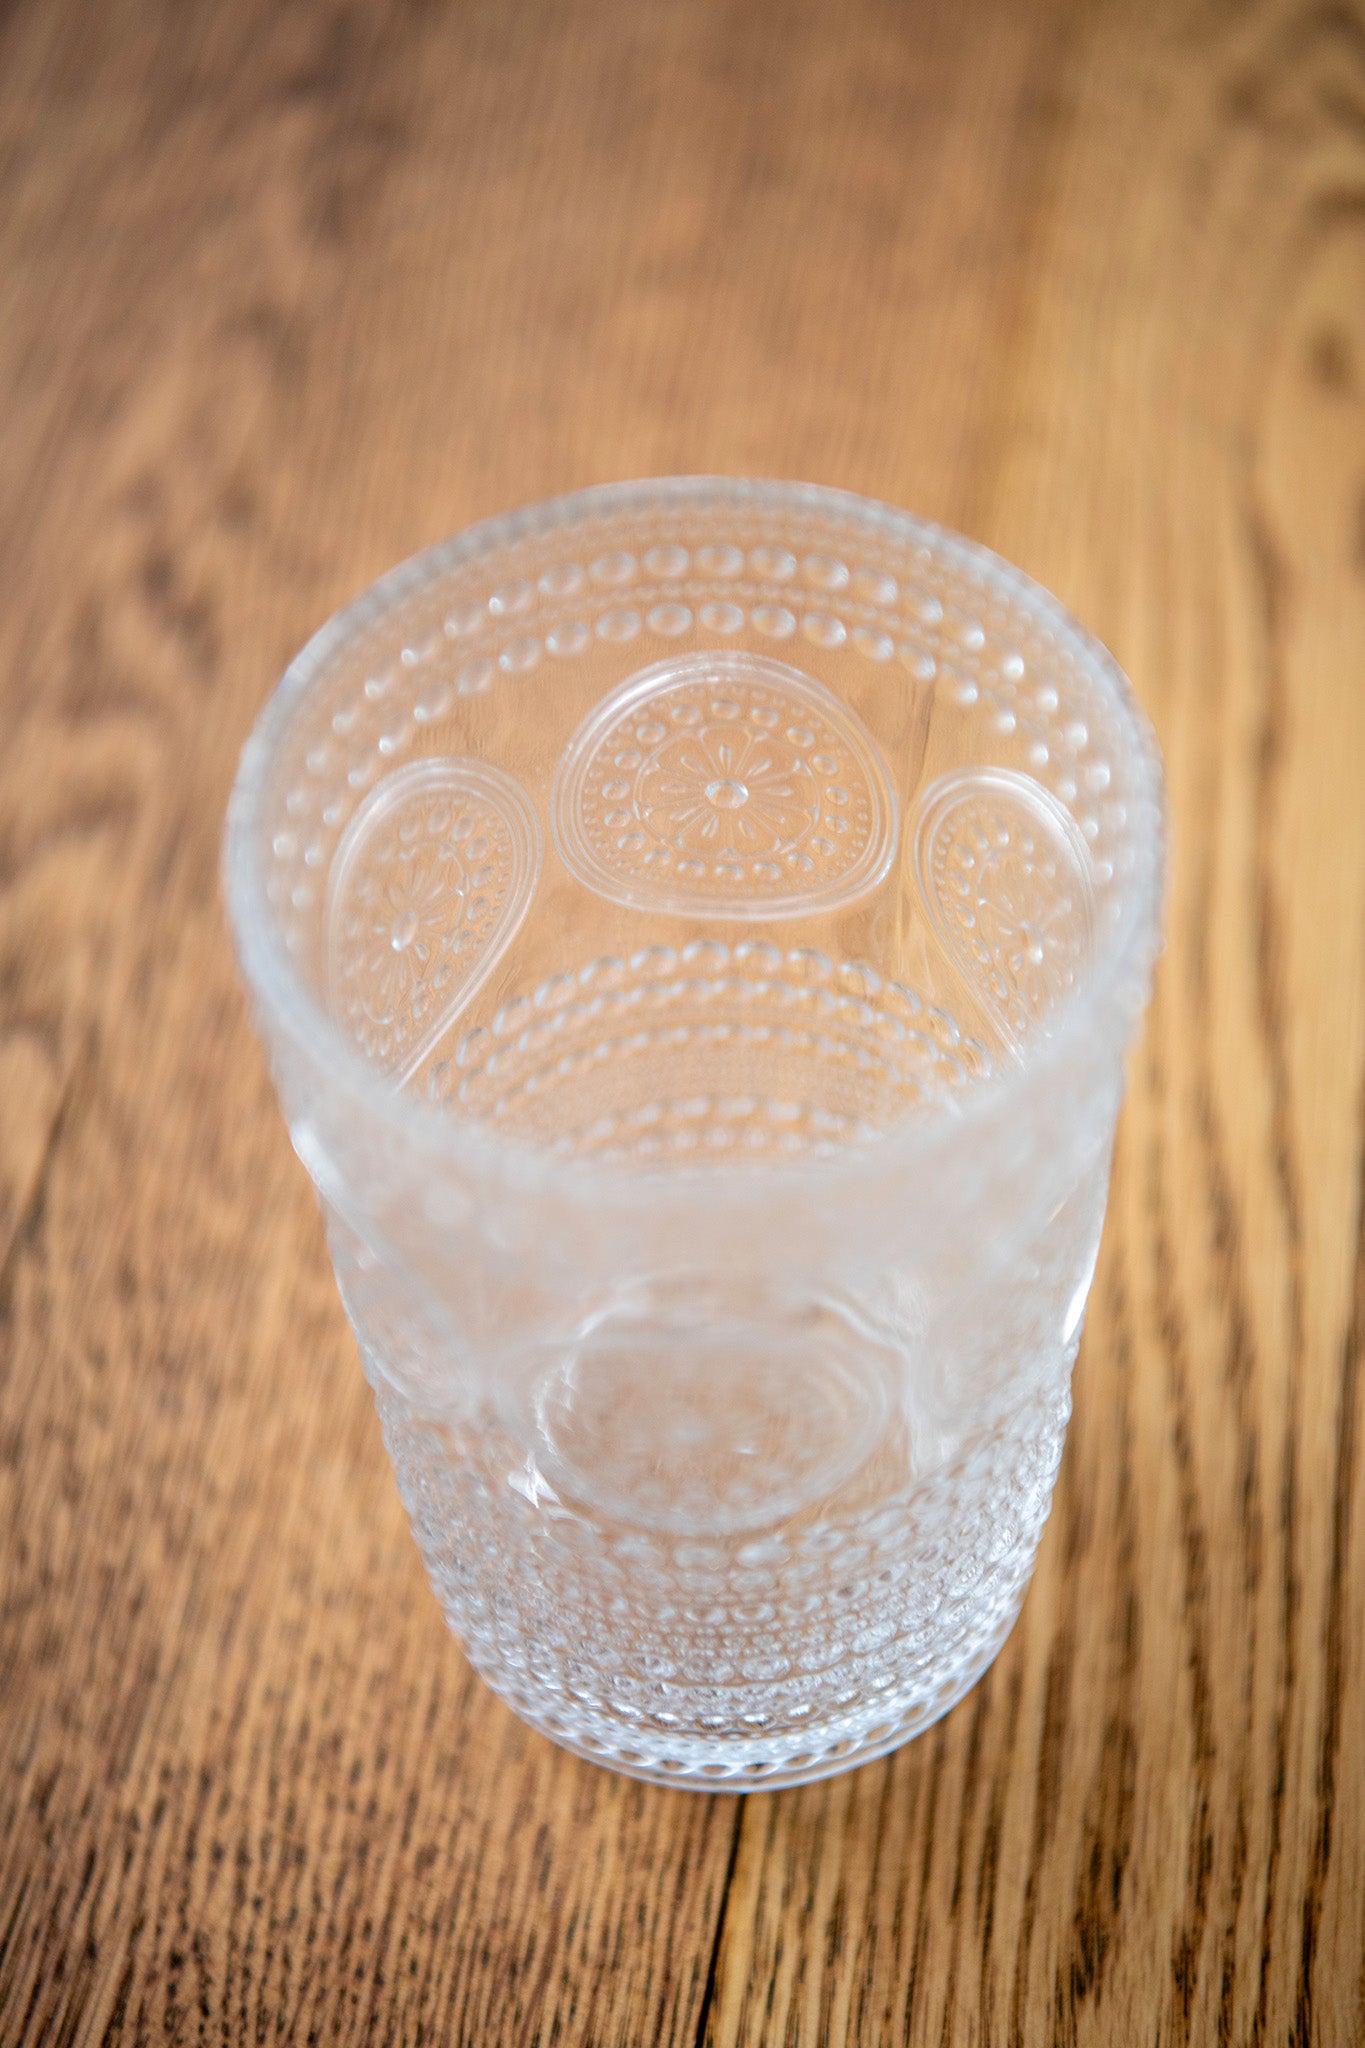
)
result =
(1115, 989)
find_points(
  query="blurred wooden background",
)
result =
(287, 290)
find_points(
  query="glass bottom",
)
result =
(744, 1655)
(695, 1766)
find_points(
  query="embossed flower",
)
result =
(1006, 879)
(413, 905)
(1030, 931)
(723, 791)
(724, 784)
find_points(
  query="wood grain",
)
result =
(287, 290)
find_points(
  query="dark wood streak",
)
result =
(1271, 1019)
(1051, 1746)
(1188, 1934)
(866, 2018)
(1110, 1809)
(988, 1869)
(971, 1776)
(708, 1993)
(1240, 1361)
(1338, 1593)
(920, 1941)
(1331, 64)
(28, 1225)
(1240, 1365)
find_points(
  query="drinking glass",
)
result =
(697, 927)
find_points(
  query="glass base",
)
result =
(722, 1764)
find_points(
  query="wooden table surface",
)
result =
(289, 289)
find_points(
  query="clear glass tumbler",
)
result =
(697, 927)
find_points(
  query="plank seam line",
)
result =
(709, 1989)
(28, 1218)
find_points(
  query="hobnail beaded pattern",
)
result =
(777, 1651)
(427, 889)
(1005, 876)
(725, 785)
(935, 613)
(652, 1056)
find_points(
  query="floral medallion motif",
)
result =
(1006, 878)
(726, 785)
(430, 881)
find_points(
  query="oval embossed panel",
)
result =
(1005, 876)
(726, 785)
(430, 881)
